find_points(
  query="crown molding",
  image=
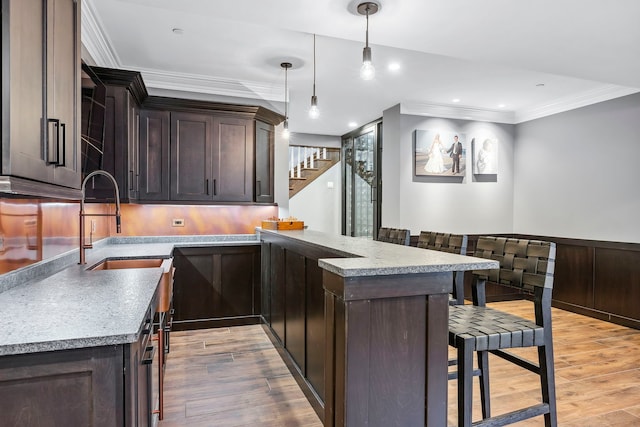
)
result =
(95, 40)
(211, 85)
(461, 113)
(601, 94)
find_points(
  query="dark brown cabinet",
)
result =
(191, 156)
(176, 150)
(233, 153)
(211, 158)
(95, 386)
(41, 96)
(216, 286)
(120, 139)
(294, 303)
(264, 152)
(153, 177)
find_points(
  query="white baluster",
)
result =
(292, 164)
(306, 160)
(324, 153)
(313, 152)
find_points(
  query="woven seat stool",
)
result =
(452, 243)
(527, 265)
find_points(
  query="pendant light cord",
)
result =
(367, 32)
(314, 65)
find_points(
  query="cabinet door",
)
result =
(154, 155)
(215, 283)
(191, 156)
(264, 163)
(233, 159)
(23, 66)
(62, 135)
(133, 130)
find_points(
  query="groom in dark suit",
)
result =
(455, 152)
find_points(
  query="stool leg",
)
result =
(483, 365)
(465, 385)
(548, 383)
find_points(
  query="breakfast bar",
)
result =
(362, 323)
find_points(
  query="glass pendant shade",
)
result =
(314, 111)
(367, 71)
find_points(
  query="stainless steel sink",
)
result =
(166, 281)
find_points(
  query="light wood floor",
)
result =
(234, 377)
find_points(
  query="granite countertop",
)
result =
(57, 304)
(365, 257)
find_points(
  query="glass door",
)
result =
(361, 182)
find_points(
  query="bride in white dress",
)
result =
(435, 164)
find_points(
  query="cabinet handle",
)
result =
(207, 185)
(56, 124)
(130, 180)
(64, 145)
(259, 188)
(215, 192)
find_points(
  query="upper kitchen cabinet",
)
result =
(41, 98)
(265, 142)
(154, 155)
(111, 130)
(191, 156)
(219, 153)
(233, 159)
(211, 158)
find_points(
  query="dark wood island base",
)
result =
(361, 324)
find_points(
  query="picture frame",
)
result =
(439, 153)
(485, 155)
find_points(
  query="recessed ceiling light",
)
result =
(501, 105)
(353, 124)
(394, 66)
(455, 100)
(178, 31)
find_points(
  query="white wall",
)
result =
(441, 205)
(281, 173)
(318, 205)
(577, 173)
(391, 176)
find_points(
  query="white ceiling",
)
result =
(483, 52)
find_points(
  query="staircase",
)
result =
(308, 163)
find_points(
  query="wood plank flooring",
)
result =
(232, 377)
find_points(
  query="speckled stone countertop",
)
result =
(57, 304)
(372, 258)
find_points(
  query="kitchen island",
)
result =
(362, 324)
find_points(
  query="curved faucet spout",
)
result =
(83, 215)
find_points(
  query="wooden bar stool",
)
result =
(527, 265)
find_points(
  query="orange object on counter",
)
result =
(282, 224)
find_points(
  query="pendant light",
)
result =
(285, 131)
(314, 112)
(367, 71)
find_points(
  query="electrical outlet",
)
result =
(177, 222)
(93, 225)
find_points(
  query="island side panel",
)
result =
(376, 360)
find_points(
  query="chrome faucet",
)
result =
(83, 215)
